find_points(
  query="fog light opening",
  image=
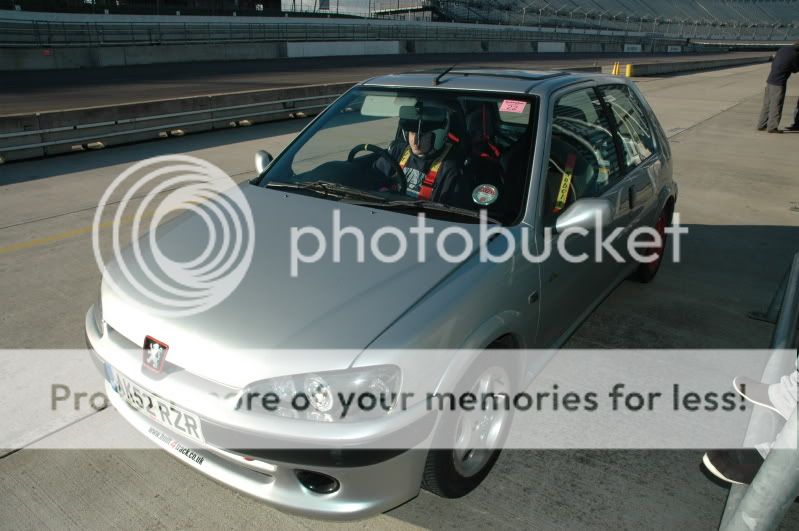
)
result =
(316, 482)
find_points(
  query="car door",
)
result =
(641, 159)
(581, 144)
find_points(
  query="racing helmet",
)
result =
(422, 118)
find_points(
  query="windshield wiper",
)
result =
(365, 198)
(440, 207)
(426, 205)
(330, 189)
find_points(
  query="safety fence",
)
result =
(45, 33)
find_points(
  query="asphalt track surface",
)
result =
(737, 196)
(49, 90)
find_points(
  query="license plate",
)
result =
(156, 408)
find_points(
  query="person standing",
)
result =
(786, 62)
(741, 466)
(795, 126)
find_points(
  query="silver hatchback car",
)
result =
(535, 153)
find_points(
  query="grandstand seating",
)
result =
(610, 13)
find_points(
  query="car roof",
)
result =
(538, 82)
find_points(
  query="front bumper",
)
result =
(371, 481)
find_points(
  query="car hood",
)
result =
(330, 304)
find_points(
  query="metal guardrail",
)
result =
(763, 504)
(36, 135)
(37, 33)
(241, 112)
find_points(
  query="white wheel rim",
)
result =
(478, 432)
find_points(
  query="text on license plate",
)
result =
(158, 409)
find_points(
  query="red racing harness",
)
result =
(494, 150)
(426, 189)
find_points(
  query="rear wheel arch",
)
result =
(671, 202)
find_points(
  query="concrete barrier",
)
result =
(20, 130)
(337, 48)
(90, 57)
(655, 69)
(101, 56)
(551, 47)
(511, 46)
(435, 46)
(51, 133)
(40, 134)
(585, 47)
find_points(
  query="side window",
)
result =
(634, 130)
(583, 161)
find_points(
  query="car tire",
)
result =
(445, 473)
(646, 272)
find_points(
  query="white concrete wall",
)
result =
(511, 46)
(551, 47)
(425, 46)
(585, 47)
(323, 49)
(82, 57)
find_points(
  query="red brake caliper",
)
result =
(660, 227)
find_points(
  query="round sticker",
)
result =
(485, 194)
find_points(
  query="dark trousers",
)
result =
(796, 116)
(771, 113)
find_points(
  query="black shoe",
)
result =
(778, 131)
(793, 128)
(761, 128)
(733, 466)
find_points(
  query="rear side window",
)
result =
(635, 132)
(583, 160)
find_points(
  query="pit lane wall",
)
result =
(642, 69)
(23, 58)
(26, 136)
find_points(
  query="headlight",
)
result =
(334, 396)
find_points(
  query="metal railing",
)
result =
(660, 19)
(666, 20)
(67, 131)
(763, 504)
(44, 33)
(182, 119)
(15, 33)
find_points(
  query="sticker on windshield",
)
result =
(485, 194)
(513, 106)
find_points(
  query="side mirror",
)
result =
(262, 160)
(583, 213)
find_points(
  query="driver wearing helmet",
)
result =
(422, 152)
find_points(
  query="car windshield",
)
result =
(449, 154)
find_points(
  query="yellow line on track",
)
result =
(63, 235)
